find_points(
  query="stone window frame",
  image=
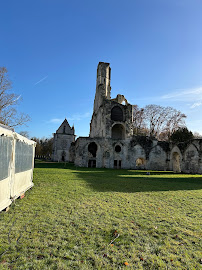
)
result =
(121, 107)
(118, 123)
(120, 145)
(174, 150)
(93, 141)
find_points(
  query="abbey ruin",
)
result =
(111, 143)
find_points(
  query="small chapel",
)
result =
(63, 138)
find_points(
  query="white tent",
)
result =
(16, 165)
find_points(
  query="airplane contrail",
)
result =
(41, 80)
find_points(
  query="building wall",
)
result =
(61, 146)
(63, 138)
(157, 159)
(154, 157)
(111, 143)
(107, 155)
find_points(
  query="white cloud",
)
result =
(196, 104)
(193, 94)
(78, 117)
(56, 120)
(74, 117)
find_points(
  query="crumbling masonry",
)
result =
(111, 143)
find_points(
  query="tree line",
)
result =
(43, 147)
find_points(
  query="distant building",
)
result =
(63, 138)
(111, 143)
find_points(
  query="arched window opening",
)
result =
(92, 163)
(63, 155)
(92, 148)
(63, 129)
(140, 162)
(118, 132)
(117, 164)
(118, 148)
(116, 114)
(176, 162)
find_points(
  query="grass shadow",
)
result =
(130, 181)
(53, 165)
(138, 181)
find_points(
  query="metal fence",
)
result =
(16, 165)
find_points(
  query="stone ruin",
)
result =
(111, 143)
(62, 140)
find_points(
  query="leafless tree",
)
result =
(8, 101)
(154, 117)
(139, 121)
(157, 121)
(175, 120)
(24, 133)
(197, 135)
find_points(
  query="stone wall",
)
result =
(111, 143)
(63, 138)
(119, 154)
(188, 155)
(136, 154)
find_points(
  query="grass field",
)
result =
(70, 217)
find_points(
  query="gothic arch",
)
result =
(192, 145)
(176, 159)
(191, 159)
(118, 132)
(92, 149)
(156, 158)
(117, 114)
(140, 163)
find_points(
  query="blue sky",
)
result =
(51, 50)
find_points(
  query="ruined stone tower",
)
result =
(111, 143)
(103, 87)
(112, 118)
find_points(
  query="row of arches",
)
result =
(156, 159)
(187, 161)
(92, 149)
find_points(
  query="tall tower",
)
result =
(104, 77)
(103, 88)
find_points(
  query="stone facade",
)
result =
(63, 138)
(111, 143)
(112, 118)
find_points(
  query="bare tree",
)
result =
(175, 120)
(197, 135)
(154, 116)
(8, 101)
(24, 133)
(157, 121)
(139, 126)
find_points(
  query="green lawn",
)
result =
(71, 215)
